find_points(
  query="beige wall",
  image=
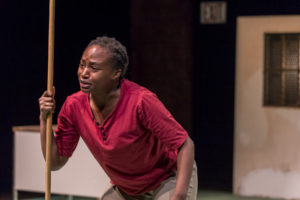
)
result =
(267, 139)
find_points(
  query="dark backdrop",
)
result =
(23, 48)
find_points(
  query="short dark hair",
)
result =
(116, 50)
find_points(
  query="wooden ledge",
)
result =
(29, 128)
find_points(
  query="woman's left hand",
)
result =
(178, 197)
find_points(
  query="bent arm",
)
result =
(47, 105)
(185, 161)
(57, 161)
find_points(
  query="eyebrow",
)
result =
(90, 63)
(93, 63)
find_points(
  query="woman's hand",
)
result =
(47, 104)
(177, 197)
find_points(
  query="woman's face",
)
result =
(95, 71)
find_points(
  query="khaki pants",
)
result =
(163, 192)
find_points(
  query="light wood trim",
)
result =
(30, 128)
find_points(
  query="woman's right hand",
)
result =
(47, 104)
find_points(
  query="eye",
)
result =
(93, 67)
(81, 65)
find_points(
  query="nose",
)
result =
(84, 72)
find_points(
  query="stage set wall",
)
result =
(266, 145)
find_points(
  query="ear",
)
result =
(117, 74)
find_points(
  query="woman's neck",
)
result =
(102, 99)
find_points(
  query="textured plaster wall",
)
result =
(267, 139)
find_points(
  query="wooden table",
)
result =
(81, 176)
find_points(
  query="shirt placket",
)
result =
(102, 131)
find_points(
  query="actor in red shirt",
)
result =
(137, 142)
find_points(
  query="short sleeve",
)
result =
(159, 121)
(66, 135)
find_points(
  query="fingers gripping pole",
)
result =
(49, 88)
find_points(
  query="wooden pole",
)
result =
(50, 88)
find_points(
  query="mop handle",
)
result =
(49, 88)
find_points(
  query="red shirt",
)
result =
(137, 143)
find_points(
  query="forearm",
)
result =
(185, 161)
(57, 161)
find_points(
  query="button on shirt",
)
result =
(137, 143)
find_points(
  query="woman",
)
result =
(137, 142)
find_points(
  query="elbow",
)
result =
(190, 143)
(55, 168)
(188, 147)
(59, 163)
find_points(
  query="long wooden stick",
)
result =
(50, 88)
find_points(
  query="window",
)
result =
(281, 70)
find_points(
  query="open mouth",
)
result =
(85, 84)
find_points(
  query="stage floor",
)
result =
(217, 195)
(202, 195)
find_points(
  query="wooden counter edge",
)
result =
(29, 128)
